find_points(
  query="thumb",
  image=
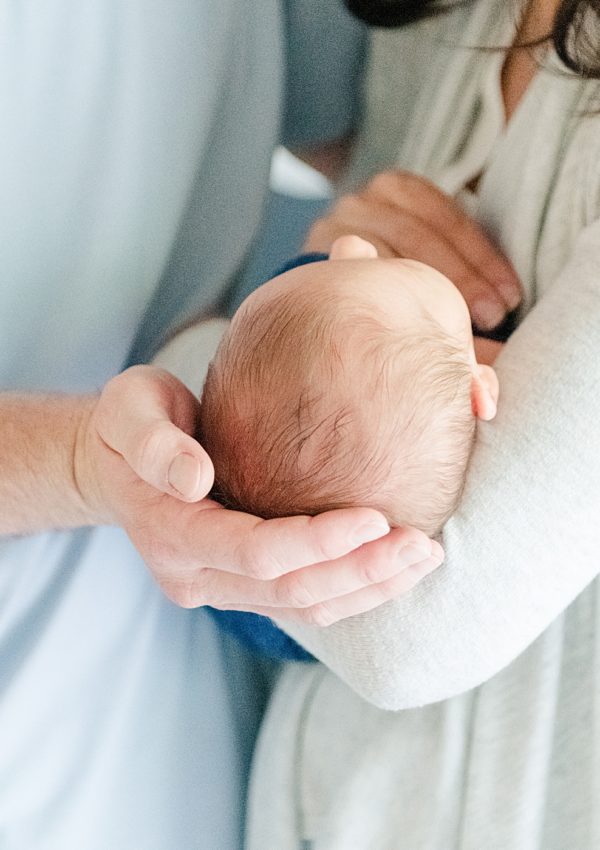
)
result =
(147, 416)
(170, 460)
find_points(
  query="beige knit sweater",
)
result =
(508, 757)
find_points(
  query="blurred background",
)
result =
(298, 194)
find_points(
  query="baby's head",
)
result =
(347, 382)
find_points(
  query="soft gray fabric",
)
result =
(513, 764)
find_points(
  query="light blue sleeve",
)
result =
(326, 48)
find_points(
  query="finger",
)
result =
(147, 416)
(434, 206)
(349, 216)
(265, 549)
(329, 612)
(416, 238)
(401, 233)
(370, 564)
(324, 237)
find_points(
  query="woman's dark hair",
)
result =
(576, 31)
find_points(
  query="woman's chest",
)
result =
(533, 182)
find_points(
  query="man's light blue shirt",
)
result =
(133, 165)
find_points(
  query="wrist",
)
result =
(87, 465)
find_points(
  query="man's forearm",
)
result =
(38, 482)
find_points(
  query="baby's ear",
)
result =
(484, 392)
(352, 248)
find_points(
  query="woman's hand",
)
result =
(486, 350)
(138, 465)
(404, 215)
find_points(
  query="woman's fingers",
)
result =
(406, 216)
(419, 241)
(349, 216)
(444, 214)
(401, 233)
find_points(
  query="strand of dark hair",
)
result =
(575, 34)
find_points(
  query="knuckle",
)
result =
(348, 205)
(292, 592)
(158, 551)
(411, 181)
(254, 564)
(122, 383)
(179, 593)
(325, 548)
(381, 182)
(417, 183)
(202, 588)
(319, 615)
(150, 441)
(193, 592)
(118, 383)
(371, 570)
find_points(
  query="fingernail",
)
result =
(487, 314)
(184, 475)
(369, 531)
(412, 554)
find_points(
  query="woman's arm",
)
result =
(526, 539)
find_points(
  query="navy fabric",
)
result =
(301, 260)
(260, 635)
(255, 632)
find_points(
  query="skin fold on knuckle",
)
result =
(349, 209)
(290, 591)
(149, 446)
(321, 616)
(194, 591)
(386, 184)
(161, 554)
(325, 546)
(205, 589)
(254, 559)
(178, 591)
(373, 566)
(126, 385)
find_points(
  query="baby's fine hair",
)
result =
(310, 407)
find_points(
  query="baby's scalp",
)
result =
(315, 400)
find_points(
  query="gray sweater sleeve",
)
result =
(526, 539)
